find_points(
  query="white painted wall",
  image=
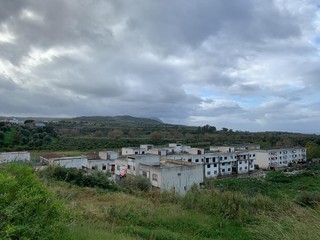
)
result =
(71, 162)
(7, 157)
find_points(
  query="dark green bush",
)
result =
(134, 183)
(308, 199)
(79, 177)
(27, 209)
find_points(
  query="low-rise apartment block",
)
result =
(280, 158)
(173, 175)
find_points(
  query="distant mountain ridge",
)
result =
(119, 119)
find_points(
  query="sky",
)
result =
(247, 65)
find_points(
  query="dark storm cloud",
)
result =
(156, 58)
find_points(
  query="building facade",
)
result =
(170, 175)
(280, 158)
(7, 157)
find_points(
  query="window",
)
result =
(129, 167)
(246, 168)
(208, 173)
(223, 170)
(189, 160)
(253, 155)
(215, 165)
(144, 173)
(215, 172)
(104, 167)
(245, 162)
(208, 165)
(207, 160)
(225, 158)
(197, 160)
(222, 164)
(229, 169)
(240, 168)
(154, 177)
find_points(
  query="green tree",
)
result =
(313, 150)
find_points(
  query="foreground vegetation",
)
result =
(27, 209)
(277, 206)
(58, 204)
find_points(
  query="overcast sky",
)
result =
(251, 65)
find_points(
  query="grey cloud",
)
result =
(156, 58)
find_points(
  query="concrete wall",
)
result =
(6, 157)
(71, 162)
(211, 170)
(195, 151)
(222, 149)
(135, 161)
(181, 178)
(133, 151)
(101, 165)
(108, 155)
(167, 177)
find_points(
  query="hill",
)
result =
(119, 120)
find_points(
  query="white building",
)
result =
(7, 157)
(161, 151)
(134, 161)
(191, 158)
(235, 148)
(195, 151)
(79, 162)
(222, 149)
(219, 163)
(101, 165)
(108, 155)
(146, 146)
(245, 162)
(281, 157)
(125, 151)
(173, 175)
(178, 148)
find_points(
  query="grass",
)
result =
(243, 208)
(138, 217)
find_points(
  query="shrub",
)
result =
(228, 204)
(27, 209)
(308, 199)
(135, 183)
(78, 177)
